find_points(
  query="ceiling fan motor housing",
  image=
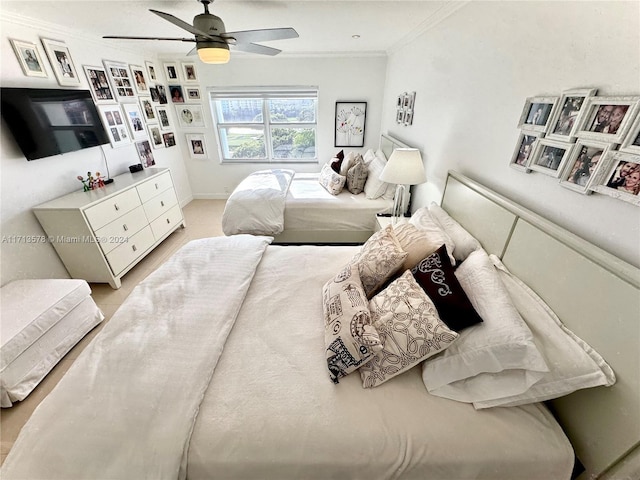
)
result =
(213, 25)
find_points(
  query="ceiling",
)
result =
(324, 26)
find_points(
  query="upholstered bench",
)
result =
(40, 321)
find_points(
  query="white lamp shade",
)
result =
(404, 167)
(213, 53)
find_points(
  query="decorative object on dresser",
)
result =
(101, 234)
(350, 124)
(404, 167)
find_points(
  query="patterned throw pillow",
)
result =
(417, 243)
(380, 257)
(347, 163)
(350, 337)
(331, 181)
(409, 328)
(435, 275)
(357, 176)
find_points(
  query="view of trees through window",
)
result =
(289, 132)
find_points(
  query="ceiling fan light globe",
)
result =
(214, 54)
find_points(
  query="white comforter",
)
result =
(127, 406)
(256, 206)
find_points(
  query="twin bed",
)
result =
(303, 211)
(215, 367)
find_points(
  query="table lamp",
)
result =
(404, 167)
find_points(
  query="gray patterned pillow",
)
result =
(333, 182)
(357, 176)
(409, 327)
(380, 257)
(350, 336)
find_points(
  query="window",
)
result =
(266, 124)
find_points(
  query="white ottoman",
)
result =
(41, 320)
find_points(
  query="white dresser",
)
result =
(101, 234)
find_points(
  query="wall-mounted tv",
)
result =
(48, 122)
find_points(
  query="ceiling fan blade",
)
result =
(253, 48)
(182, 24)
(117, 37)
(193, 51)
(263, 35)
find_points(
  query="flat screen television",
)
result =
(48, 122)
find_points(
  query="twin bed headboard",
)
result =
(594, 293)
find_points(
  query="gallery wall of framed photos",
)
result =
(588, 143)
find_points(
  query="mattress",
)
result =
(41, 321)
(309, 206)
(271, 411)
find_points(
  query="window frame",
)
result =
(265, 94)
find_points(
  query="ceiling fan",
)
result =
(213, 41)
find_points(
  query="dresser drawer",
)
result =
(166, 222)
(111, 208)
(124, 255)
(113, 234)
(153, 187)
(160, 204)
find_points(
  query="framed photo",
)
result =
(133, 115)
(152, 71)
(197, 146)
(29, 58)
(169, 139)
(619, 176)
(115, 125)
(567, 117)
(408, 117)
(120, 79)
(145, 153)
(190, 116)
(550, 156)
(537, 113)
(400, 117)
(175, 91)
(192, 94)
(156, 136)
(147, 110)
(99, 85)
(608, 119)
(350, 123)
(189, 73)
(411, 100)
(171, 71)
(139, 80)
(525, 146)
(61, 62)
(582, 164)
(162, 94)
(631, 143)
(162, 114)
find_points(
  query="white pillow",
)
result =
(390, 192)
(464, 242)
(375, 188)
(573, 364)
(423, 220)
(472, 369)
(347, 163)
(369, 156)
(332, 182)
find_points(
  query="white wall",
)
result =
(472, 74)
(25, 184)
(338, 79)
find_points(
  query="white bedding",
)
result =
(257, 204)
(127, 408)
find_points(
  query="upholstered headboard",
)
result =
(594, 293)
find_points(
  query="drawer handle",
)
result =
(156, 186)
(135, 249)
(115, 205)
(168, 221)
(124, 227)
(161, 203)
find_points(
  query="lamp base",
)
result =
(398, 204)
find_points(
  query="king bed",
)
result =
(295, 208)
(216, 367)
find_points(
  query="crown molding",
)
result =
(441, 14)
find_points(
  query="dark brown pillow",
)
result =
(340, 155)
(335, 164)
(435, 275)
